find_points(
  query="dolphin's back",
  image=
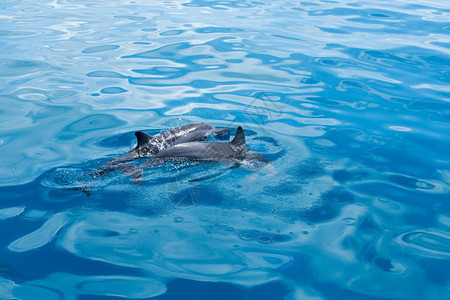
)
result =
(198, 151)
(185, 133)
(173, 136)
(148, 145)
(234, 151)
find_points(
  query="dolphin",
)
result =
(235, 151)
(148, 145)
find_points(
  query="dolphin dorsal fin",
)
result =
(142, 138)
(239, 139)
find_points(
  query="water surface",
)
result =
(348, 99)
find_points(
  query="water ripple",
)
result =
(63, 285)
(41, 236)
(430, 244)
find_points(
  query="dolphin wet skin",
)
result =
(235, 151)
(148, 145)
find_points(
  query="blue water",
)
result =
(350, 100)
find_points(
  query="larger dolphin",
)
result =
(148, 145)
(235, 151)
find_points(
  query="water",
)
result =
(348, 99)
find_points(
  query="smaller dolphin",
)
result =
(235, 151)
(148, 145)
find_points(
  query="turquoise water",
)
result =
(350, 100)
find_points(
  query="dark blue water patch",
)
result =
(222, 5)
(409, 182)
(326, 101)
(299, 267)
(187, 197)
(345, 175)
(38, 264)
(205, 84)
(429, 105)
(267, 59)
(322, 210)
(288, 37)
(262, 77)
(234, 61)
(417, 26)
(309, 81)
(163, 72)
(99, 297)
(348, 85)
(445, 45)
(13, 67)
(201, 194)
(438, 148)
(437, 270)
(381, 158)
(117, 141)
(223, 44)
(308, 169)
(10, 232)
(401, 195)
(189, 289)
(113, 90)
(52, 188)
(8, 272)
(16, 33)
(338, 195)
(210, 29)
(131, 18)
(333, 291)
(398, 63)
(369, 225)
(105, 74)
(380, 153)
(201, 290)
(383, 263)
(172, 32)
(171, 52)
(336, 62)
(166, 51)
(102, 48)
(262, 237)
(269, 291)
(318, 214)
(285, 188)
(404, 60)
(102, 233)
(268, 139)
(45, 111)
(326, 208)
(392, 21)
(61, 94)
(334, 30)
(90, 123)
(423, 219)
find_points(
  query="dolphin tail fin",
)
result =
(239, 139)
(136, 174)
(142, 138)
